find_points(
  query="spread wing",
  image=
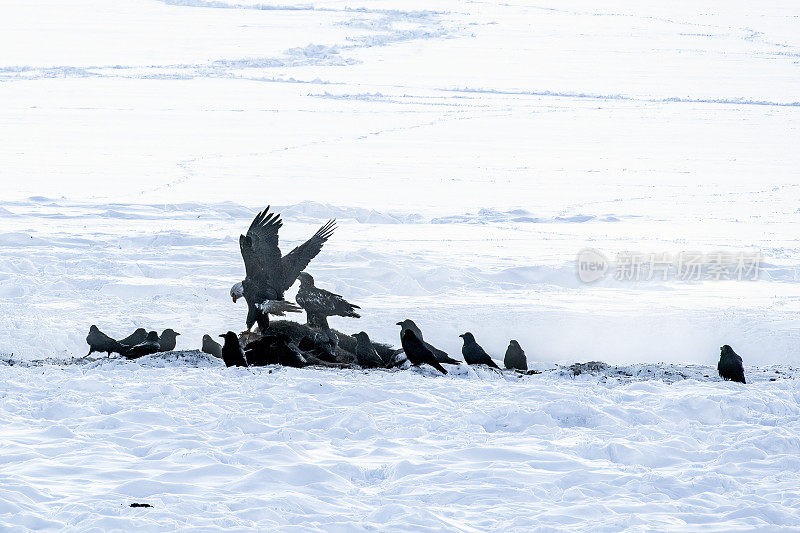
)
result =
(297, 260)
(262, 257)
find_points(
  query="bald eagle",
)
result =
(268, 274)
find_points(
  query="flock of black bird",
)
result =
(269, 274)
(136, 345)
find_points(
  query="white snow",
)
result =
(282, 448)
(470, 151)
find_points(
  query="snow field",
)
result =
(323, 450)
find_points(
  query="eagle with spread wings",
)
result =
(268, 274)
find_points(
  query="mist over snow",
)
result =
(501, 274)
(470, 152)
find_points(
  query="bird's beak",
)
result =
(221, 335)
(177, 334)
(462, 335)
(399, 323)
(233, 298)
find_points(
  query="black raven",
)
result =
(211, 347)
(730, 365)
(473, 353)
(515, 357)
(232, 352)
(440, 355)
(149, 346)
(100, 342)
(167, 340)
(417, 353)
(366, 355)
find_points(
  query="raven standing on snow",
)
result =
(268, 274)
(417, 353)
(167, 340)
(730, 365)
(473, 353)
(515, 357)
(366, 355)
(211, 347)
(100, 342)
(232, 352)
(149, 346)
(441, 356)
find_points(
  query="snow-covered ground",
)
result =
(242, 449)
(470, 150)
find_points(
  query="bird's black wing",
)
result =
(331, 304)
(486, 359)
(441, 355)
(134, 338)
(297, 260)
(262, 257)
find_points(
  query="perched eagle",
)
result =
(320, 304)
(268, 274)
